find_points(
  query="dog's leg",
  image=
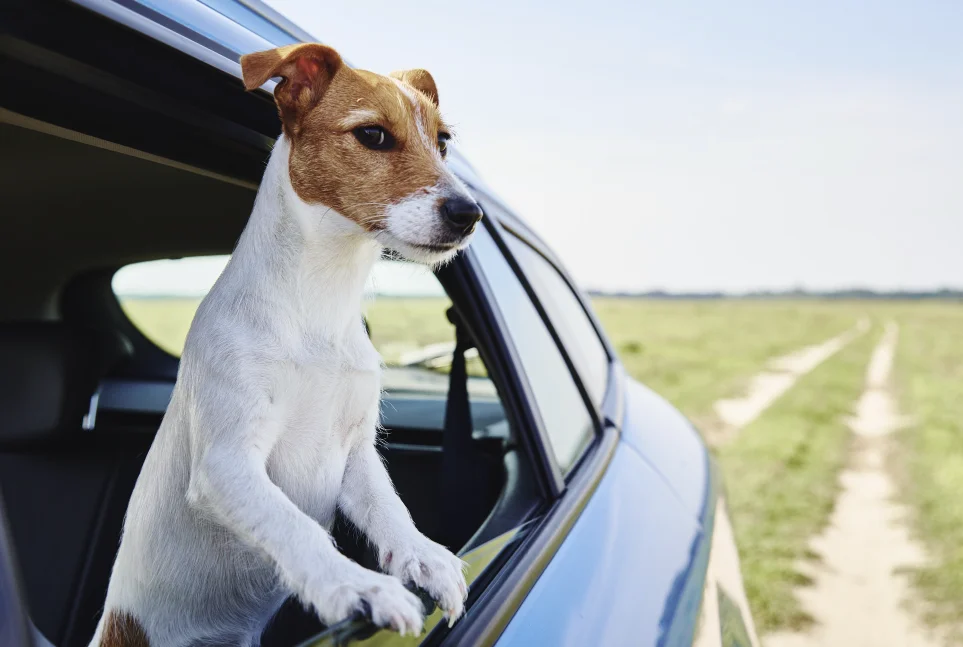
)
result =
(370, 501)
(232, 484)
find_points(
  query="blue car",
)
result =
(587, 508)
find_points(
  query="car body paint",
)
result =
(668, 442)
(631, 571)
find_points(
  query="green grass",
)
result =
(401, 325)
(397, 325)
(781, 480)
(929, 370)
(164, 321)
(695, 352)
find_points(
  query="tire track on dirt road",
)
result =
(858, 596)
(766, 387)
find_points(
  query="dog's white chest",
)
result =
(324, 407)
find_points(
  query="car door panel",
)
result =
(669, 443)
(631, 570)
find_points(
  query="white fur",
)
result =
(271, 427)
(359, 117)
(427, 140)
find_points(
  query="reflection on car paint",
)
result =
(629, 571)
(668, 442)
(684, 602)
(725, 619)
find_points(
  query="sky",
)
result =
(699, 146)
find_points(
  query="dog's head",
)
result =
(370, 147)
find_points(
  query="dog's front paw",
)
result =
(384, 598)
(433, 568)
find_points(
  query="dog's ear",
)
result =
(420, 80)
(306, 71)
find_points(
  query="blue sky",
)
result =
(693, 146)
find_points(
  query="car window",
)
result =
(161, 297)
(563, 412)
(568, 317)
(405, 312)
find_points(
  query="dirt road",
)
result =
(859, 598)
(765, 388)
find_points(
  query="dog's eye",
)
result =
(374, 137)
(443, 143)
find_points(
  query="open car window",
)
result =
(405, 313)
(160, 297)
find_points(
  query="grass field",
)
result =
(396, 325)
(164, 321)
(781, 470)
(696, 352)
(929, 367)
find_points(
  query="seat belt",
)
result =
(459, 460)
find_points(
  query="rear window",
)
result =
(161, 297)
(405, 308)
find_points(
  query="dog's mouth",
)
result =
(422, 251)
(436, 247)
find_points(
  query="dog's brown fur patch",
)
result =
(121, 629)
(419, 80)
(322, 101)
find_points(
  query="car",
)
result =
(587, 508)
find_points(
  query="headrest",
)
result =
(48, 372)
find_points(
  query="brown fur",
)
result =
(419, 80)
(121, 629)
(328, 165)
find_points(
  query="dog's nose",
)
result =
(461, 214)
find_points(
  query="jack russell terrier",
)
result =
(273, 422)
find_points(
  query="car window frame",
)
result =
(611, 408)
(498, 228)
(541, 250)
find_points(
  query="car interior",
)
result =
(83, 388)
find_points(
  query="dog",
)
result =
(273, 422)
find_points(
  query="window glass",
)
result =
(161, 297)
(405, 312)
(568, 317)
(562, 409)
